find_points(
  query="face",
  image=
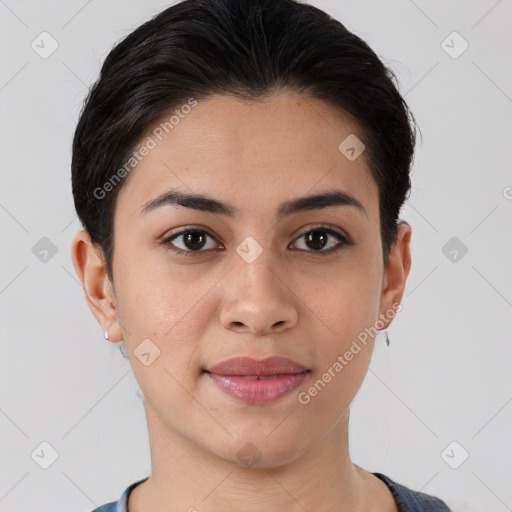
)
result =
(197, 285)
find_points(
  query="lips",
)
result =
(275, 365)
(257, 381)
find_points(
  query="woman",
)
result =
(239, 168)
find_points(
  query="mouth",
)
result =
(257, 381)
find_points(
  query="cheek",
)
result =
(347, 302)
(154, 296)
(170, 309)
(330, 394)
(159, 313)
(348, 308)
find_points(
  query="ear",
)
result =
(89, 264)
(396, 271)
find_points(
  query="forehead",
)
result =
(255, 152)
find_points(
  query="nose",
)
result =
(257, 299)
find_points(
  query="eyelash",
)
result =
(326, 229)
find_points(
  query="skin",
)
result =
(207, 306)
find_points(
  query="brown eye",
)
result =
(319, 238)
(194, 240)
(191, 240)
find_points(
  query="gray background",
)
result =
(446, 376)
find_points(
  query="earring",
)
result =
(106, 334)
(387, 338)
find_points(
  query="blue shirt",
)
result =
(406, 499)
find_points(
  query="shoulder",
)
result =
(121, 504)
(413, 501)
(108, 507)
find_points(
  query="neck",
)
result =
(187, 477)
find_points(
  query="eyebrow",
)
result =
(208, 204)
